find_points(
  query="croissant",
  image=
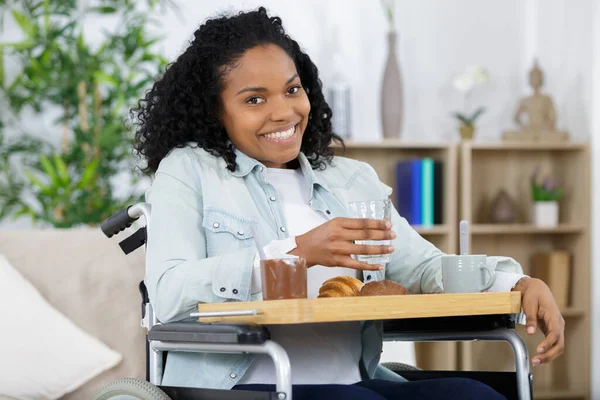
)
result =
(341, 286)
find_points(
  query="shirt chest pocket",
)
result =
(226, 232)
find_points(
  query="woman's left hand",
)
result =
(542, 311)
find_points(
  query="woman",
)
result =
(237, 133)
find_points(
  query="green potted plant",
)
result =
(546, 195)
(465, 83)
(92, 172)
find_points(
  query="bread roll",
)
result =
(383, 288)
(341, 286)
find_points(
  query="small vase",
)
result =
(545, 213)
(391, 94)
(467, 131)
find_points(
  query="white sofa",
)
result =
(85, 276)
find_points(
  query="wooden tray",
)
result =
(335, 309)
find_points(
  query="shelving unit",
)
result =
(473, 175)
(524, 229)
(434, 230)
(485, 169)
(561, 394)
(572, 312)
(383, 156)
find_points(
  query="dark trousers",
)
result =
(377, 389)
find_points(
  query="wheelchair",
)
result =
(194, 336)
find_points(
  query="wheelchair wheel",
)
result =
(131, 389)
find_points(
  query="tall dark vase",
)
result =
(392, 104)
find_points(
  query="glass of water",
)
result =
(372, 209)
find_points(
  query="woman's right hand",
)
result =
(332, 243)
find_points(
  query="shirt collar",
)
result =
(246, 164)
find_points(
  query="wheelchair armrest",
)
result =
(197, 332)
(449, 324)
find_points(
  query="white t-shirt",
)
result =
(325, 353)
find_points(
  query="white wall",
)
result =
(437, 39)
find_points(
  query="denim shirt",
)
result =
(201, 249)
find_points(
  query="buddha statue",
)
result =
(538, 109)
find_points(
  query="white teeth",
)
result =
(281, 135)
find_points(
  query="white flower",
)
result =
(474, 75)
(463, 83)
(478, 74)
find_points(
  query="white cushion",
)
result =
(43, 354)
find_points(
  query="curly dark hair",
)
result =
(184, 105)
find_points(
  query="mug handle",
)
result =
(492, 279)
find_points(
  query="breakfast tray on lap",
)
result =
(362, 308)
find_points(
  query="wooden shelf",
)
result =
(528, 146)
(572, 312)
(480, 170)
(487, 169)
(519, 229)
(560, 394)
(432, 230)
(395, 144)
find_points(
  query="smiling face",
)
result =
(264, 107)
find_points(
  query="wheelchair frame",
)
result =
(241, 338)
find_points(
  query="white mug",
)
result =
(466, 274)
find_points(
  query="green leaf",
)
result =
(104, 10)
(61, 168)
(80, 41)
(62, 31)
(25, 211)
(118, 106)
(46, 15)
(148, 56)
(37, 183)
(163, 61)
(477, 114)
(26, 25)
(103, 77)
(37, 67)
(151, 42)
(46, 55)
(88, 174)
(462, 118)
(1, 67)
(49, 170)
(24, 45)
(102, 49)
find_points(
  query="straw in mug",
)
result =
(464, 237)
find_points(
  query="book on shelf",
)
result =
(438, 190)
(419, 189)
(554, 268)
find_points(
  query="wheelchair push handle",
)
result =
(117, 222)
